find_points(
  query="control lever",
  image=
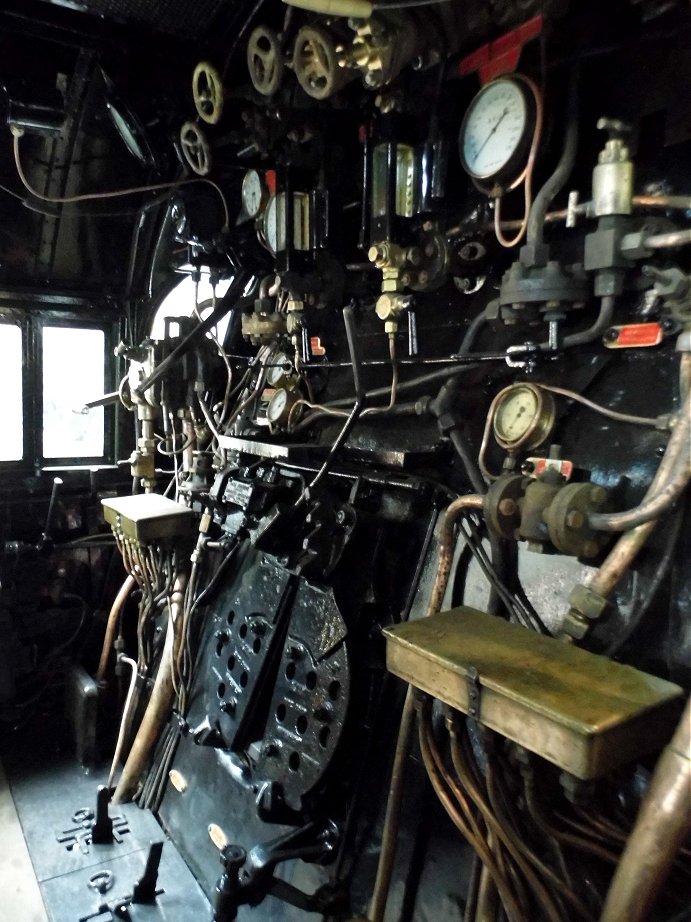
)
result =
(102, 829)
(45, 537)
(248, 878)
(145, 889)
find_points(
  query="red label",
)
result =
(636, 335)
(270, 178)
(565, 468)
(316, 347)
(502, 55)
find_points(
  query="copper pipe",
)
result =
(446, 547)
(389, 841)
(677, 460)
(510, 905)
(111, 625)
(677, 238)
(663, 822)
(513, 846)
(160, 703)
(627, 547)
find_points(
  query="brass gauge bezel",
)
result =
(541, 422)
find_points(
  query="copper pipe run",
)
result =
(446, 547)
(160, 702)
(677, 457)
(111, 626)
(389, 841)
(663, 822)
(627, 547)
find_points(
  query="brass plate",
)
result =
(147, 517)
(585, 713)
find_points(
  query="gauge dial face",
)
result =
(495, 129)
(277, 406)
(524, 417)
(254, 193)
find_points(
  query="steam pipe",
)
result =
(678, 458)
(536, 221)
(663, 822)
(159, 705)
(677, 238)
(387, 853)
(111, 625)
(627, 547)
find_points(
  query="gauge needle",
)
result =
(496, 125)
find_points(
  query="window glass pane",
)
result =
(181, 303)
(11, 441)
(73, 373)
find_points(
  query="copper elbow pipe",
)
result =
(663, 822)
(159, 705)
(446, 547)
(627, 547)
(111, 625)
(387, 853)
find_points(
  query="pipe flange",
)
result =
(544, 286)
(501, 504)
(567, 519)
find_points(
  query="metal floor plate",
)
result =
(48, 793)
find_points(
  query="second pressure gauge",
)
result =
(524, 417)
(496, 131)
(254, 193)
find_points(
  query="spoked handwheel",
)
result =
(264, 60)
(195, 148)
(207, 90)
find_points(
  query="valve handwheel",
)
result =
(195, 148)
(207, 90)
(264, 60)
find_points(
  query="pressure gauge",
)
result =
(279, 408)
(524, 417)
(254, 193)
(496, 131)
(280, 372)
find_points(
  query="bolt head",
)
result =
(507, 507)
(575, 519)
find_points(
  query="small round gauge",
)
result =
(496, 130)
(279, 408)
(254, 193)
(524, 417)
(280, 371)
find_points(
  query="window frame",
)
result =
(31, 322)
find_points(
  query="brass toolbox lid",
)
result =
(147, 517)
(583, 712)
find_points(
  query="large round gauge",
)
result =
(254, 193)
(524, 417)
(496, 131)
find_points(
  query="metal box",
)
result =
(585, 713)
(147, 517)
